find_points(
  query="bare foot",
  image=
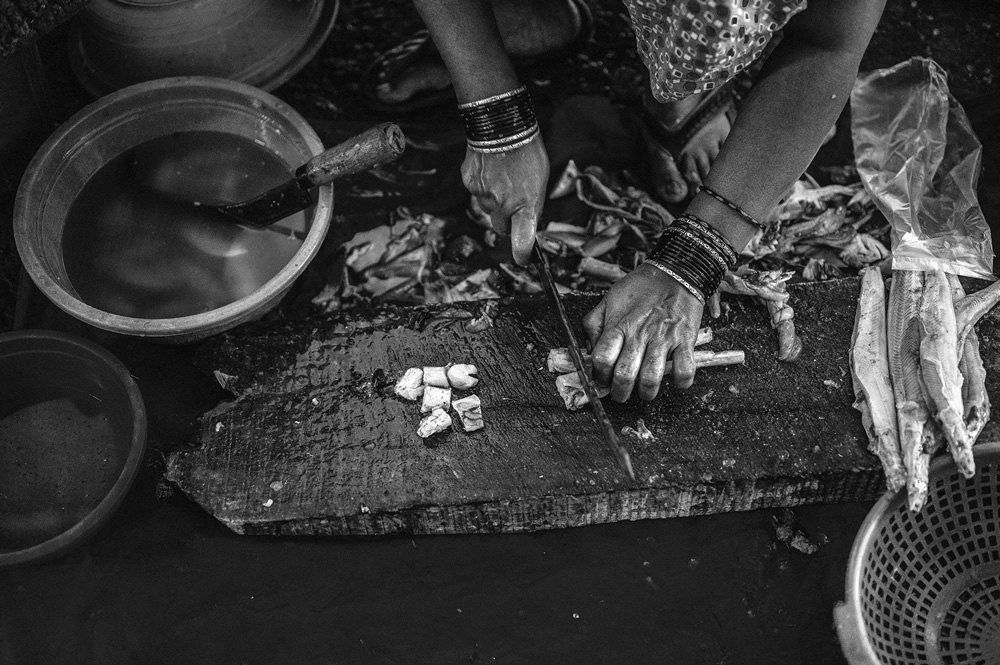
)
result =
(529, 28)
(675, 178)
(421, 77)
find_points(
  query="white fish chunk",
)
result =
(462, 376)
(436, 376)
(470, 412)
(411, 385)
(570, 388)
(435, 398)
(436, 421)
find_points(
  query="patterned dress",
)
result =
(691, 46)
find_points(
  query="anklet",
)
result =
(726, 202)
(500, 123)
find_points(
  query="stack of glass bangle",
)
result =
(500, 123)
(695, 255)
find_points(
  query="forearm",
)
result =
(466, 35)
(797, 98)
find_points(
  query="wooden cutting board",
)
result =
(314, 441)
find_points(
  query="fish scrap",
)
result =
(434, 386)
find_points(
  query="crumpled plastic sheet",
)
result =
(919, 157)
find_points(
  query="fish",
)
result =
(869, 360)
(975, 399)
(939, 367)
(973, 307)
(912, 414)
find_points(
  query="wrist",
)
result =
(694, 255)
(727, 222)
(500, 123)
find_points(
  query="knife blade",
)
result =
(597, 408)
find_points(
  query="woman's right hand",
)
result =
(645, 319)
(510, 187)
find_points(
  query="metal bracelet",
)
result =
(494, 98)
(505, 148)
(683, 282)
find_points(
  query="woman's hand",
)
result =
(510, 187)
(645, 319)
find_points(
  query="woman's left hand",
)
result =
(645, 319)
(510, 187)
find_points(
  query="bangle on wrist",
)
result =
(695, 255)
(499, 123)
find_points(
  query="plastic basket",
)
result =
(925, 588)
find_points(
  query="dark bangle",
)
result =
(695, 255)
(701, 227)
(732, 206)
(500, 123)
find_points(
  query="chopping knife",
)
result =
(607, 430)
(378, 145)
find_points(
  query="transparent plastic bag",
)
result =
(918, 156)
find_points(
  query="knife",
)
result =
(607, 429)
(378, 145)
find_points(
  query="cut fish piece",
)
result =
(470, 412)
(912, 414)
(560, 361)
(570, 388)
(873, 397)
(703, 358)
(436, 376)
(462, 376)
(435, 398)
(436, 421)
(939, 367)
(411, 385)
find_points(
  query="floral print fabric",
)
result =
(692, 46)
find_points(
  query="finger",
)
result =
(524, 223)
(703, 162)
(651, 372)
(593, 323)
(683, 361)
(500, 221)
(626, 371)
(605, 355)
(690, 170)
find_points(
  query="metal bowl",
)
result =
(72, 440)
(117, 43)
(132, 117)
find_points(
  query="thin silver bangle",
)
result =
(508, 139)
(494, 98)
(504, 148)
(683, 282)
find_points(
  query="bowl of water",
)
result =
(72, 441)
(103, 221)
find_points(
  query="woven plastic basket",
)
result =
(925, 588)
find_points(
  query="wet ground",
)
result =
(166, 583)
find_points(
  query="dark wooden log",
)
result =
(315, 443)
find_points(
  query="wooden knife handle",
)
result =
(378, 145)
